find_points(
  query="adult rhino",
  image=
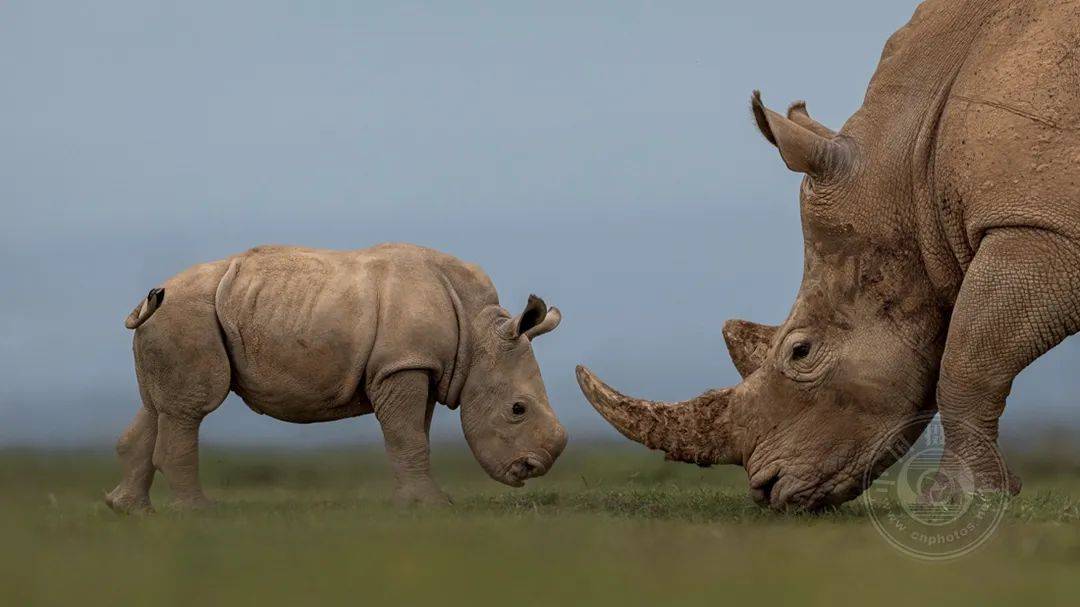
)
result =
(309, 335)
(942, 256)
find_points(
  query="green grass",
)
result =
(609, 525)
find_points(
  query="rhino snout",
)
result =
(559, 442)
(527, 467)
(773, 489)
(537, 463)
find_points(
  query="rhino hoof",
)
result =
(407, 497)
(193, 503)
(124, 503)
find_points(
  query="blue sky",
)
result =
(598, 154)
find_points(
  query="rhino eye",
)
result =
(518, 409)
(800, 350)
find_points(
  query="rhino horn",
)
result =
(693, 431)
(748, 343)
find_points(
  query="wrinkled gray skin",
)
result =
(942, 256)
(307, 335)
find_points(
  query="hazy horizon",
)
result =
(601, 156)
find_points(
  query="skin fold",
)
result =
(942, 256)
(309, 335)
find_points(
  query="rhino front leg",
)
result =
(404, 406)
(1020, 298)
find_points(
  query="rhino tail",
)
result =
(145, 309)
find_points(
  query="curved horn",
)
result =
(694, 431)
(551, 320)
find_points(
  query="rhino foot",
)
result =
(122, 502)
(198, 502)
(1015, 484)
(425, 496)
(954, 479)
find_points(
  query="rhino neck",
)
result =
(472, 295)
(448, 390)
(898, 125)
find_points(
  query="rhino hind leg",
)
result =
(184, 374)
(404, 405)
(1020, 298)
(136, 451)
(176, 454)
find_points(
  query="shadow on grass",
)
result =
(660, 503)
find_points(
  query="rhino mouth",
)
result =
(522, 469)
(783, 492)
(762, 490)
(774, 490)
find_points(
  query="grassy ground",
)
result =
(607, 526)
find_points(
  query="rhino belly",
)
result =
(300, 410)
(297, 380)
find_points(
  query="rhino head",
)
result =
(857, 356)
(505, 414)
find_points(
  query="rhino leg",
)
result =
(1020, 297)
(136, 452)
(184, 375)
(177, 455)
(404, 406)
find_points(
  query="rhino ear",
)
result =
(797, 113)
(748, 343)
(552, 320)
(801, 141)
(530, 318)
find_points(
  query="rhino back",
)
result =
(1009, 140)
(306, 329)
(973, 109)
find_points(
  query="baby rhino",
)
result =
(308, 335)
